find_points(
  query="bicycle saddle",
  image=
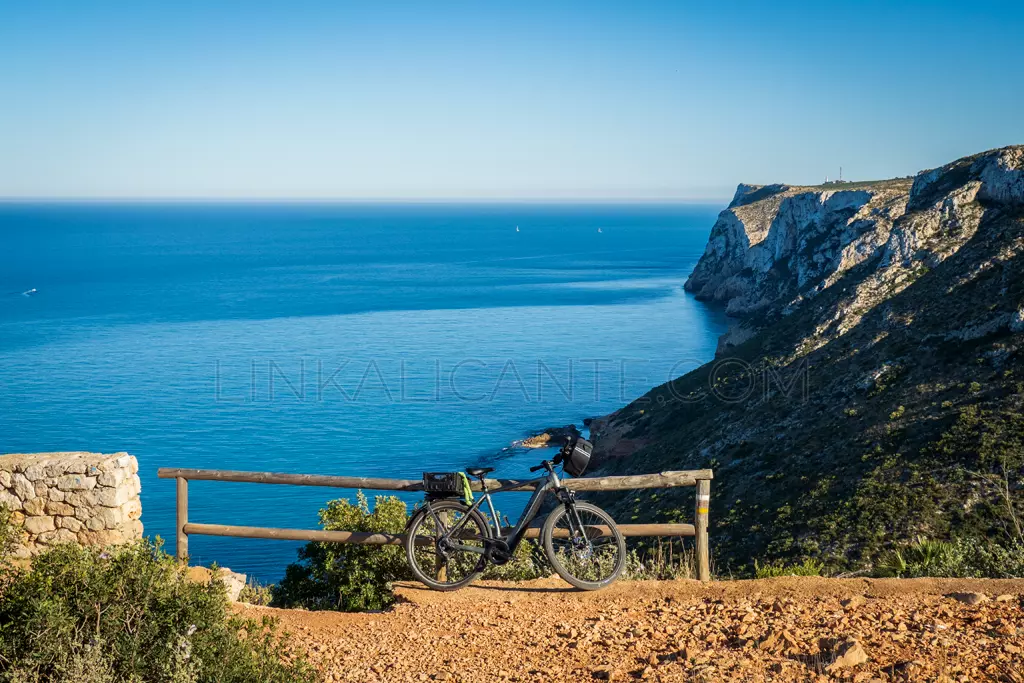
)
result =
(478, 471)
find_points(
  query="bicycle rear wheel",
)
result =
(590, 557)
(453, 563)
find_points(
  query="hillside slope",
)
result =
(871, 391)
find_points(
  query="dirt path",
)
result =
(767, 630)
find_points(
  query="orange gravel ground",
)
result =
(786, 629)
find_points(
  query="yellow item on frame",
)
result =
(467, 490)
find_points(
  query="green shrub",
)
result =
(959, 558)
(9, 533)
(82, 615)
(256, 593)
(346, 576)
(661, 560)
(808, 567)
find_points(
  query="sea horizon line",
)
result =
(368, 200)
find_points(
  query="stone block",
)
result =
(101, 538)
(55, 494)
(111, 518)
(38, 525)
(55, 508)
(57, 536)
(5, 479)
(10, 501)
(36, 472)
(132, 509)
(35, 506)
(113, 478)
(83, 499)
(56, 469)
(115, 497)
(76, 482)
(22, 487)
(69, 523)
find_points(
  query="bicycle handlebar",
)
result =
(557, 460)
(547, 464)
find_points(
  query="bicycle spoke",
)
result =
(456, 557)
(589, 553)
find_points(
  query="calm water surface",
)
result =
(378, 340)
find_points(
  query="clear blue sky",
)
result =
(628, 100)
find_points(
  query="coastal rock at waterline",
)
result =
(554, 436)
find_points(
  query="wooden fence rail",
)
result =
(701, 479)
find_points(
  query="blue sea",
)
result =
(353, 339)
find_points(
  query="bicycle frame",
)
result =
(513, 539)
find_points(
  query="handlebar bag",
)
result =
(578, 458)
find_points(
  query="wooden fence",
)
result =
(701, 479)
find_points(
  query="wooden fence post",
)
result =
(181, 541)
(441, 564)
(701, 530)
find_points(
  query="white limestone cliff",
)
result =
(776, 247)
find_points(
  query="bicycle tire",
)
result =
(618, 542)
(411, 548)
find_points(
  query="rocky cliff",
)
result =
(871, 389)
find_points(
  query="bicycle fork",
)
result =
(579, 533)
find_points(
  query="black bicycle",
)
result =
(450, 541)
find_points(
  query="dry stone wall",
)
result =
(86, 498)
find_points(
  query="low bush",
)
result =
(959, 558)
(346, 576)
(9, 533)
(256, 593)
(79, 615)
(661, 560)
(808, 567)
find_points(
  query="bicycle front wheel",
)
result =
(588, 552)
(439, 562)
